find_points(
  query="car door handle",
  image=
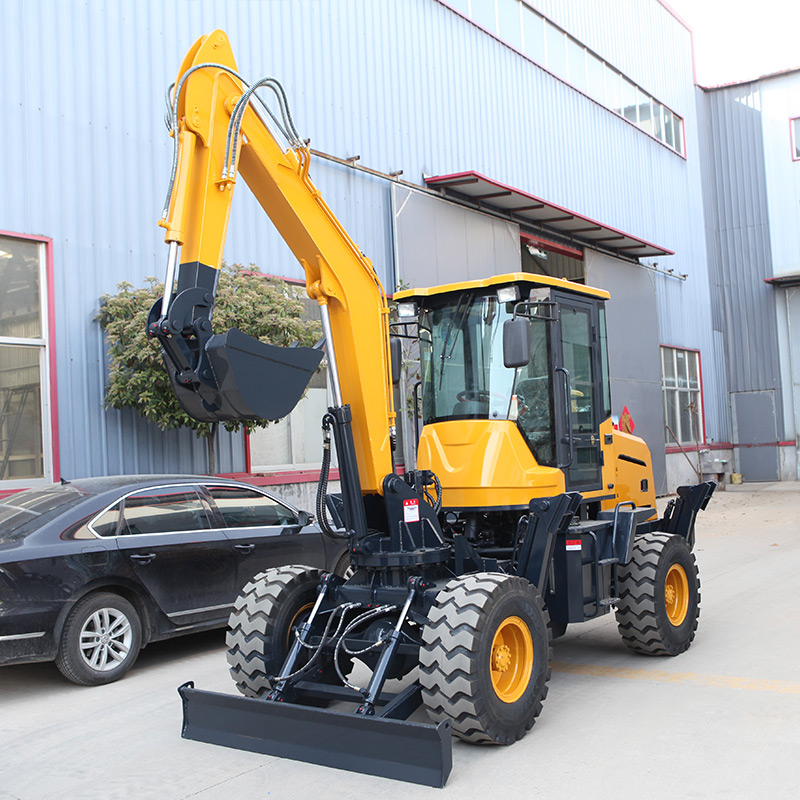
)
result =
(143, 558)
(245, 548)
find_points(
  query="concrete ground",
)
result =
(721, 720)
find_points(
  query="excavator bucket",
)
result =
(390, 748)
(247, 379)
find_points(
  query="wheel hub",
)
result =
(511, 659)
(501, 658)
(676, 594)
(105, 639)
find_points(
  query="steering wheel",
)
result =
(479, 395)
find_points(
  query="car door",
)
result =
(264, 532)
(185, 564)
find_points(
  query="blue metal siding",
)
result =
(406, 85)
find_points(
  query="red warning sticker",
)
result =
(573, 544)
(410, 510)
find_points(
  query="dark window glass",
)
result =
(604, 375)
(576, 334)
(105, 524)
(25, 512)
(461, 351)
(534, 396)
(163, 511)
(245, 508)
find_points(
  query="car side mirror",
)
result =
(304, 518)
(396, 352)
(516, 342)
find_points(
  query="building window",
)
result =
(520, 26)
(24, 386)
(295, 442)
(795, 134)
(683, 397)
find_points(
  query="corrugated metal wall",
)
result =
(743, 306)
(780, 100)
(406, 85)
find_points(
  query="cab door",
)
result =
(578, 391)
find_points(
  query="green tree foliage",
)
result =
(266, 308)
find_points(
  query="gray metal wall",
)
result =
(440, 242)
(743, 306)
(634, 359)
(406, 84)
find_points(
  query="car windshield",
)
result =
(25, 512)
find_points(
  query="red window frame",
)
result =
(51, 349)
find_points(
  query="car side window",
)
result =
(244, 508)
(105, 524)
(165, 510)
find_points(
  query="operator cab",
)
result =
(522, 349)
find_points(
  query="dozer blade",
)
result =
(407, 751)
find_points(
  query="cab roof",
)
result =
(500, 280)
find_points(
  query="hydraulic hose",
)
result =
(322, 487)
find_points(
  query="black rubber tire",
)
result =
(90, 616)
(455, 659)
(343, 567)
(642, 616)
(260, 626)
(557, 629)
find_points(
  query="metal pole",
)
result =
(172, 262)
(793, 380)
(332, 368)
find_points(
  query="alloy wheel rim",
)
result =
(105, 639)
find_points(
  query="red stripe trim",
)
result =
(279, 478)
(692, 448)
(545, 244)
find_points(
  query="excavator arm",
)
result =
(222, 130)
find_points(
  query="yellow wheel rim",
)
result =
(676, 594)
(296, 620)
(511, 659)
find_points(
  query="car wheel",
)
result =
(101, 640)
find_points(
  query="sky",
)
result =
(738, 40)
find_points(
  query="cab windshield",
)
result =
(463, 375)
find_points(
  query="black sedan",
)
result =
(92, 570)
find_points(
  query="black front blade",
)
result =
(407, 751)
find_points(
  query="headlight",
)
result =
(407, 310)
(508, 294)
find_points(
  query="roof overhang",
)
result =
(784, 281)
(523, 207)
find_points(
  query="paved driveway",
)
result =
(722, 720)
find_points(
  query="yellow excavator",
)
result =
(527, 510)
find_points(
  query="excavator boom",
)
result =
(221, 131)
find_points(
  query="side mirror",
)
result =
(304, 518)
(516, 342)
(396, 352)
